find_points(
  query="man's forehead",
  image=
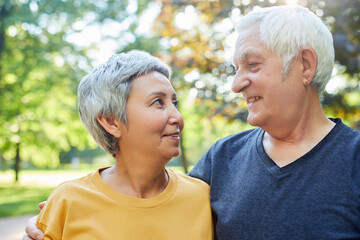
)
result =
(247, 44)
(250, 52)
(242, 53)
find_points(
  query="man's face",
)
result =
(271, 99)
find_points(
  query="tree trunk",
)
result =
(183, 160)
(17, 162)
(3, 162)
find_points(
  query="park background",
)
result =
(46, 46)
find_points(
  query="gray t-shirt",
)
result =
(315, 197)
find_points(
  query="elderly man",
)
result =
(296, 176)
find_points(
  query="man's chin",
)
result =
(253, 120)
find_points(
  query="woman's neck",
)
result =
(140, 181)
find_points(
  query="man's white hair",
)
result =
(287, 29)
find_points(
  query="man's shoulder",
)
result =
(343, 143)
(345, 133)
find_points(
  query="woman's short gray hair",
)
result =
(105, 91)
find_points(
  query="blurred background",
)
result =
(46, 47)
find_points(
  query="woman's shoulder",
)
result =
(192, 191)
(190, 182)
(71, 187)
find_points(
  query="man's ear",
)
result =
(309, 61)
(110, 124)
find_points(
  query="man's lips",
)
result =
(252, 99)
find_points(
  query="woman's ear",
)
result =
(309, 61)
(110, 124)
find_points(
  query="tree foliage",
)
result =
(199, 52)
(41, 64)
(37, 83)
(39, 72)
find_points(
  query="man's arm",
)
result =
(32, 232)
(202, 169)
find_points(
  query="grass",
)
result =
(20, 200)
(34, 187)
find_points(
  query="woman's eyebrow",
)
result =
(158, 93)
(163, 94)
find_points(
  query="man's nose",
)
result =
(240, 82)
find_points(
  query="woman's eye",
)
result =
(158, 102)
(176, 103)
(252, 64)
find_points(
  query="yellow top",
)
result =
(87, 208)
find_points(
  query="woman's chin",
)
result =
(174, 154)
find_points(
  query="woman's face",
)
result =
(154, 123)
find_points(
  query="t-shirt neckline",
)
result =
(301, 161)
(135, 202)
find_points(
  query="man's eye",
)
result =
(252, 64)
(176, 103)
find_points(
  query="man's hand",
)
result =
(32, 232)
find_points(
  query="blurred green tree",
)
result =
(40, 67)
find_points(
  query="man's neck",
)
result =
(290, 142)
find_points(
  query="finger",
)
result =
(42, 204)
(26, 237)
(32, 230)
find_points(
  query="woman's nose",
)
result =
(176, 118)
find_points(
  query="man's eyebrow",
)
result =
(250, 53)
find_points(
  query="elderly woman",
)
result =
(130, 108)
